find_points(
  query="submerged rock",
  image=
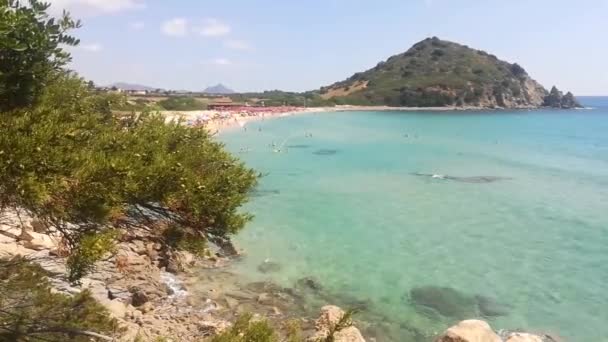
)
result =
(472, 179)
(138, 297)
(269, 267)
(309, 283)
(521, 336)
(489, 307)
(325, 152)
(262, 192)
(444, 300)
(469, 331)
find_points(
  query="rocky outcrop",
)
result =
(130, 284)
(332, 320)
(469, 331)
(445, 301)
(480, 331)
(451, 303)
(556, 99)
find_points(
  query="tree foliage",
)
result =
(31, 53)
(66, 159)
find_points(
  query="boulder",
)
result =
(264, 298)
(210, 327)
(330, 316)
(37, 241)
(172, 266)
(445, 301)
(138, 246)
(232, 303)
(9, 248)
(138, 297)
(269, 267)
(350, 334)
(469, 331)
(309, 283)
(116, 308)
(39, 226)
(10, 231)
(180, 261)
(523, 337)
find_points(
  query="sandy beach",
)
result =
(217, 121)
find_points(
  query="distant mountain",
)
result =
(436, 73)
(218, 89)
(131, 86)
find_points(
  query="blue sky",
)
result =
(253, 45)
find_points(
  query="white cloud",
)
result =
(213, 28)
(218, 62)
(93, 47)
(176, 27)
(237, 44)
(81, 7)
(137, 25)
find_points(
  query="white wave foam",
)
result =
(174, 284)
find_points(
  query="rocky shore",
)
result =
(177, 296)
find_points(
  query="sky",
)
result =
(297, 45)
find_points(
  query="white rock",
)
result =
(330, 316)
(37, 241)
(469, 331)
(116, 308)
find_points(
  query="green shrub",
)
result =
(29, 311)
(89, 249)
(246, 330)
(70, 162)
(184, 103)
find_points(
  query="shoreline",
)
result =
(217, 121)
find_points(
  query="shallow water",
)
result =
(349, 207)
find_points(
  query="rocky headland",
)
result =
(440, 73)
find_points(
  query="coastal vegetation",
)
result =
(90, 176)
(182, 103)
(30, 311)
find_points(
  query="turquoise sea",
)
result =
(343, 203)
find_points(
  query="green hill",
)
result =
(440, 73)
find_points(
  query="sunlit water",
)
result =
(345, 207)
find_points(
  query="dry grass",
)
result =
(344, 91)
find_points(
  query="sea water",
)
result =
(350, 200)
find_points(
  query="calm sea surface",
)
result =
(523, 221)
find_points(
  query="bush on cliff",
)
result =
(68, 161)
(29, 311)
